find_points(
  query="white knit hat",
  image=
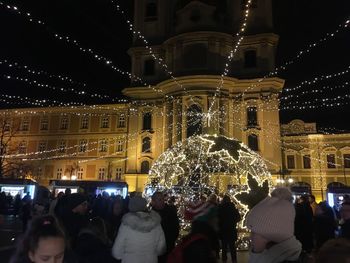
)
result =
(272, 218)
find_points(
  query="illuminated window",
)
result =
(42, 146)
(105, 122)
(59, 173)
(101, 174)
(103, 145)
(307, 161)
(119, 146)
(121, 121)
(330, 161)
(145, 167)
(80, 173)
(84, 122)
(290, 162)
(118, 173)
(250, 59)
(253, 142)
(25, 124)
(44, 124)
(62, 146)
(82, 146)
(252, 117)
(64, 123)
(146, 145)
(22, 147)
(346, 160)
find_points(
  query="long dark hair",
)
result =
(40, 227)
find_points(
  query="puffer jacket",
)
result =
(140, 238)
(286, 251)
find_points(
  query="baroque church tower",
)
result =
(183, 61)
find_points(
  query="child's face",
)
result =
(50, 250)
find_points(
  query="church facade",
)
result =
(178, 89)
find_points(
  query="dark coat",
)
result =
(228, 216)
(324, 229)
(303, 225)
(90, 248)
(202, 250)
(170, 225)
(345, 229)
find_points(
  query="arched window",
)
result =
(146, 145)
(253, 142)
(147, 121)
(149, 67)
(151, 11)
(250, 59)
(194, 120)
(145, 167)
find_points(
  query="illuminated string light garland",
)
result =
(310, 47)
(41, 72)
(314, 91)
(73, 42)
(61, 89)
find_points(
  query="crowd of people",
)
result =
(104, 228)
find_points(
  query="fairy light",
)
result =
(178, 167)
(315, 91)
(26, 68)
(60, 89)
(303, 52)
(73, 42)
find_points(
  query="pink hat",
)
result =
(272, 218)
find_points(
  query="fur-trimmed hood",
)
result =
(142, 221)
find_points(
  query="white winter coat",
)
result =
(140, 238)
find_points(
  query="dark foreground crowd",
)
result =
(74, 228)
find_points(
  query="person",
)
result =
(345, 217)
(42, 242)
(169, 221)
(334, 251)
(304, 223)
(115, 216)
(271, 222)
(73, 216)
(228, 216)
(202, 243)
(93, 245)
(324, 224)
(140, 237)
(313, 204)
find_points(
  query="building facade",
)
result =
(187, 93)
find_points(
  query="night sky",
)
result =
(97, 25)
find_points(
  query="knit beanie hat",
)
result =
(137, 204)
(73, 200)
(282, 193)
(201, 212)
(272, 218)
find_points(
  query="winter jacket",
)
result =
(288, 250)
(228, 218)
(140, 238)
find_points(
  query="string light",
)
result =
(73, 42)
(40, 72)
(60, 89)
